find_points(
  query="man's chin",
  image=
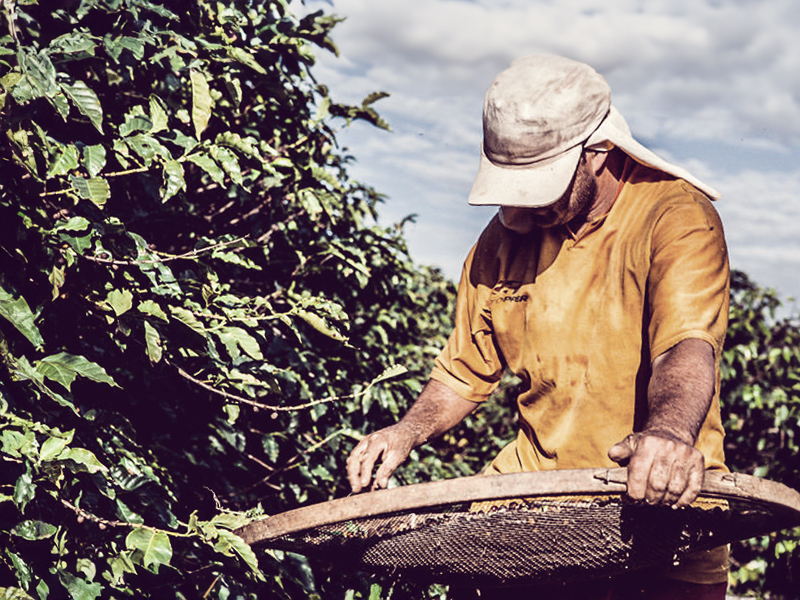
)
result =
(519, 222)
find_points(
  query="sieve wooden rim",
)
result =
(719, 484)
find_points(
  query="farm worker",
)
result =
(603, 284)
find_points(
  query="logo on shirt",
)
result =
(520, 298)
(508, 292)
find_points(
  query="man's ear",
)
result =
(596, 161)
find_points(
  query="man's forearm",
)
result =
(436, 410)
(680, 390)
(664, 467)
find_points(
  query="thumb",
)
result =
(622, 451)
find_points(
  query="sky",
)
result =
(711, 85)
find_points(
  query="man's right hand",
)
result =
(391, 445)
(437, 409)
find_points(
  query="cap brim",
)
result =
(615, 131)
(531, 186)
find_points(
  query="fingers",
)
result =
(696, 478)
(390, 446)
(362, 461)
(661, 470)
(391, 461)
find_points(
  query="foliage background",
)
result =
(200, 314)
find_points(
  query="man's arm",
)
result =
(437, 409)
(664, 467)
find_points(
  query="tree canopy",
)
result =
(199, 314)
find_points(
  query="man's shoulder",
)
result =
(654, 195)
(491, 253)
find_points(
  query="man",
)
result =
(603, 284)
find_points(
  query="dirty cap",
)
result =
(538, 117)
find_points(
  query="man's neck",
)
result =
(607, 185)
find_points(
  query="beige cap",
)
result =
(538, 117)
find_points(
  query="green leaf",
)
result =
(232, 412)
(187, 318)
(135, 45)
(120, 300)
(120, 565)
(40, 73)
(208, 165)
(63, 368)
(22, 90)
(73, 43)
(17, 444)
(310, 202)
(13, 594)
(94, 159)
(390, 372)
(244, 57)
(95, 189)
(33, 530)
(150, 307)
(158, 9)
(86, 101)
(234, 337)
(229, 520)
(373, 98)
(73, 224)
(229, 162)
(57, 278)
(173, 180)
(153, 343)
(78, 588)
(24, 490)
(10, 79)
(234, 88)
(147, 147)
(244, 551)
(234, 258)
(62, 105)
(201, 102)
(18, 313)
(53, 446)
(25, 371)
(87, 567)
(248, 145)
(23, 571)
(65, 160)
(84, 460)
(158, 115)
(320, 325)
(115, 46)
(135, 121)
(43, 590)
(151, 547)
(375, 592)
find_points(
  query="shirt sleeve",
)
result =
(470, 363)
(689, 279)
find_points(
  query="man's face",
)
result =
(577, 200)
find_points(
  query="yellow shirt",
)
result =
(580, 320)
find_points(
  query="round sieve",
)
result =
(548, 526)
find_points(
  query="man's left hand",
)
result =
(661, 468)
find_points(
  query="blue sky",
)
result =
(711, 85)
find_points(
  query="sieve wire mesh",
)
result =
(550, 538)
